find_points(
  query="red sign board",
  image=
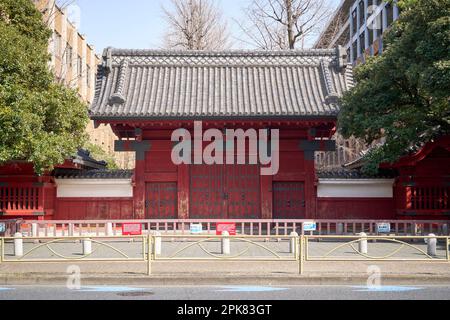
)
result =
(226, 226)
(131, 229)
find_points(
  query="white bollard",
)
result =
(52, 231)
(294, 236)
(109, 229)
(226, 243)
(34, 230)
(363, 243)
(18, 244)
(339, 228)
(87, 246)
(158, 243)
(445, 229)
(431, 245)
(70, 230)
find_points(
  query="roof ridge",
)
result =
(217, 53)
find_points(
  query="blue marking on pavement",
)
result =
(250, 289)
(385, 289)
(6, 289)
(108, 289)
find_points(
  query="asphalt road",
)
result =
(227, 293)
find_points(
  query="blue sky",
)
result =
(135, 23)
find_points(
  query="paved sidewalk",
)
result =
(220, 272)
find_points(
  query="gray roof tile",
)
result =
(185, 84)
(92, 174)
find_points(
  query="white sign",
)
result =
(383, 227)
(196, 228)
(2, 227)
(309, 226)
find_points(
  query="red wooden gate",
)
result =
(289, 200)
(161, 200)
(243, 191)
(207, 198)
(225, 192)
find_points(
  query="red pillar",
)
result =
(266, 197)
(139, 190)
(183, 191)
(310, 189)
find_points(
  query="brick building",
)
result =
(74, 63)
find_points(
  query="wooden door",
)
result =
(289, 200)
(161, 200)
(225, 192)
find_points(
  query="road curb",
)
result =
(195, 280)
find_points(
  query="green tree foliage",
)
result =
(40, 121)
(99, 154)
(402, 96)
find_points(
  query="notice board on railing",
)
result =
(226, 226)
(131, 229)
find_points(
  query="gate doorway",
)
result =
(161, 200)
(225, 192)
(289, 200)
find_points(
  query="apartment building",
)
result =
(74, 63)
(358, 26)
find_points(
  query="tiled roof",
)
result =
(84, 158)
(352, 174)
(187, 84)
(93, 174)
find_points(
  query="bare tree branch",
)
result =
(283, 24)
(195, 25)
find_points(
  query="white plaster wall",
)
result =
(94, 188)
(356, 188)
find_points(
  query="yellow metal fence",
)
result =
(166, 248)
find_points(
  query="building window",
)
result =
(390, 14)
(69, 53)
(88, 76)
(361, 43)
(57, 44)
(361, 13)
(80, 67)
(354, 19)
(370, 37)
(355, 50)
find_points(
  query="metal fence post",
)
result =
(447, 243)
(300, 254)
(149, 254)
(2, 243)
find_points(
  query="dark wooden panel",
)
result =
(207, 198)
(93, 208)
(161, 200)
(243, 191)
(289, 200)
(225, 192)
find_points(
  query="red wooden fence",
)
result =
(21, 199)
